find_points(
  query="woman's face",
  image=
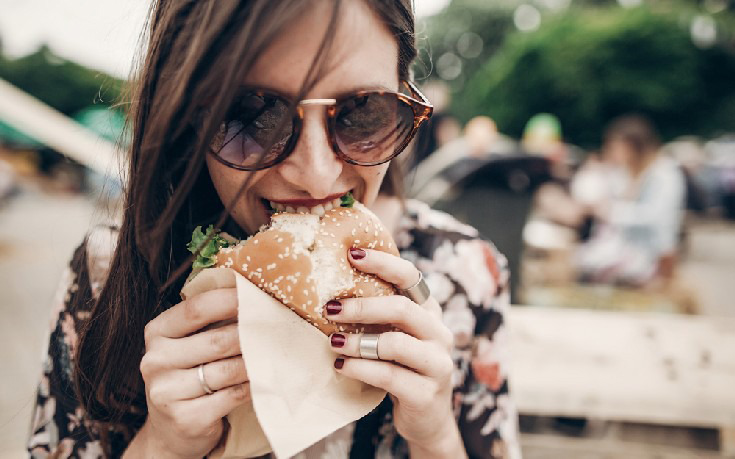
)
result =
(364, 56)
(618, 152)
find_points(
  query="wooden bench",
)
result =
(624, 366)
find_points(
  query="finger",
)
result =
(194, 313)
(397, 310)
(434, 308)
(399, 272)
(203, 347)
(185, 385)
(210, 409)
(424, 357)
(409, 387)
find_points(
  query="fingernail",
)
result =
(339, 363)
(357, 254)
(338, 340)
(333, 307)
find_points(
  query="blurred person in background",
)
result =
(237, 104)
(484, 140)
(480, 140)
(626, 204)
(637, 227)
(543, 136)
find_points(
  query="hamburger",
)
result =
(300, 259)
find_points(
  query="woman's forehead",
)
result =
(363, 55)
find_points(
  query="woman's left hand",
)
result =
(415, 365)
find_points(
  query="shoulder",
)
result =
(420, 217)
(666, 168)
(444, 248)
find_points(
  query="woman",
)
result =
(213, 141)
(637, 228)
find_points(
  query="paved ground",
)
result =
(38, 232)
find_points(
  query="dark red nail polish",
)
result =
(333, 307)
(339, 363)
(357, 254)
(338, 340)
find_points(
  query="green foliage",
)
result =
(490, 20)
(64, 85)
(588, 66)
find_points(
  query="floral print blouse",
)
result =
(467, 276)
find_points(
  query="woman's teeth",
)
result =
(316, 210)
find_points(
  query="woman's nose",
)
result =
(313, 167)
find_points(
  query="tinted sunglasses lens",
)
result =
(252, 126)
(370, 127)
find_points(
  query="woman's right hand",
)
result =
(183, 420)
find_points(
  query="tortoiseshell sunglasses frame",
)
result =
(420, 105)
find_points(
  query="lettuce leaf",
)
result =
(206, 251)
(347, 200)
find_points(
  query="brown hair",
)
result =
(635, 130)
(169, 192)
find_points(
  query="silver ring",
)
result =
(418, 292)
(208, 390)
(369, 346)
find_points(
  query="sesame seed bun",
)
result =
(301, 260)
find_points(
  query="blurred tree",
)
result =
(590, 65)
(62, 84)
(457, 42)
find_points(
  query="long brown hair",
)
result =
(178, 105)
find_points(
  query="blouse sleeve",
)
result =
(471, 283)
(60, 427)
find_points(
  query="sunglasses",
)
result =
(365, 128)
